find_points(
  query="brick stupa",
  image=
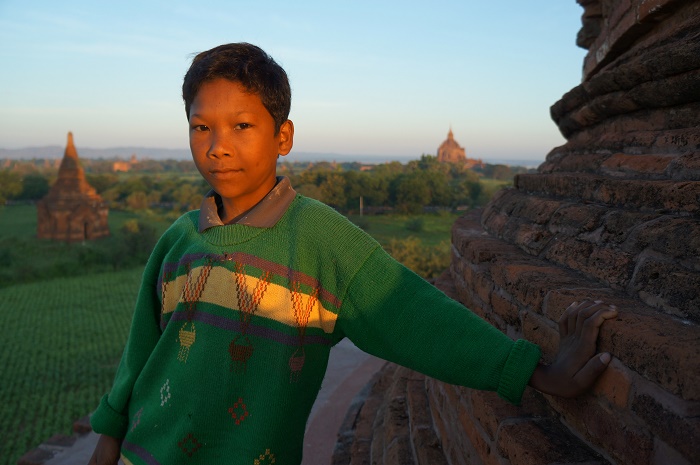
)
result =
(451, 152)
(72, 210)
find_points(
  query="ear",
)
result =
(286, 137)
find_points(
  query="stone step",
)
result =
(661, 196)
(629, 250)
(622, 165)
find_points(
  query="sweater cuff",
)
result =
(521, 363)
(105, 420)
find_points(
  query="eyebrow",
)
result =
(245, 112)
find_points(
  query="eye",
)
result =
(200, 127)
(243, 125)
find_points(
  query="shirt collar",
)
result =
(264, 214)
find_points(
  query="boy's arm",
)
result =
(392, 313)
(106, 451)
(110, 417)
(577, 365)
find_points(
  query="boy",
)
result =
(242, 300)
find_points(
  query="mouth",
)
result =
(218, 171)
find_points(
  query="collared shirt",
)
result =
(264, 214)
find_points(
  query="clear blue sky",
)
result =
(368, 77)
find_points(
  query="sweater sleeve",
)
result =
(111, 416)
(394, 314)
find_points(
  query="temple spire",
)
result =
(70, 147)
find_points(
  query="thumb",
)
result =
(587, 375)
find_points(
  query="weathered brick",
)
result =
(537, 210)
(619, 225)
(667, 286)
(365, 423)
(490, 411)
(503, 306)
(649, 9)
(447, 425)
(427, 447)
(614, 384)
(659, 348)
(419, 415)
(543, 441)
(483, 285)
(605, 263)
(621, 164)
(661, 234)
(378, 438)
(479, 440)
(82, 426)
(685, 167)
(681, 433)
(557, 301)
(399, 451)
(647, 195)
(665, 454)
(541, 331)
(574, 219)
(528, 281)
(531, 238)
(615, 431)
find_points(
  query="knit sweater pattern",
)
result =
(233, 326)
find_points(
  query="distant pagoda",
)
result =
(451, 152)
(72, 211)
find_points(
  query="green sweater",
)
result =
(233, 327)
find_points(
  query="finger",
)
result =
(564, 320)
(585, 313)
(573, 313)
(597, 318)
(587, 375)
(591, 326)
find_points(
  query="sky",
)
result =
(382, 78)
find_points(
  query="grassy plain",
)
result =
(435, 227)
(62, 340)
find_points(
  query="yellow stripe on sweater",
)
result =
(276, 304)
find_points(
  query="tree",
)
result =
(333, 189)
(10, 185)
(137, 201)
(34, 187)
(412, 192)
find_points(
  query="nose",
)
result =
(219, 147)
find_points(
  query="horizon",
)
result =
(388, 80)
(55, 151)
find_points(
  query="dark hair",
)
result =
(245, 64)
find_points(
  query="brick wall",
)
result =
(615, 214)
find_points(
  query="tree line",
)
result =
(175, 186)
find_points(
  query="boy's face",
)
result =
(234, 145)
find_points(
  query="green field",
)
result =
(64, 335)
(63, 340)
(435, 229)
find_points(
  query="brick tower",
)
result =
(72, 210)
(450, 151)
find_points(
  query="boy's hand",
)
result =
(576, 366)
(106, 452)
